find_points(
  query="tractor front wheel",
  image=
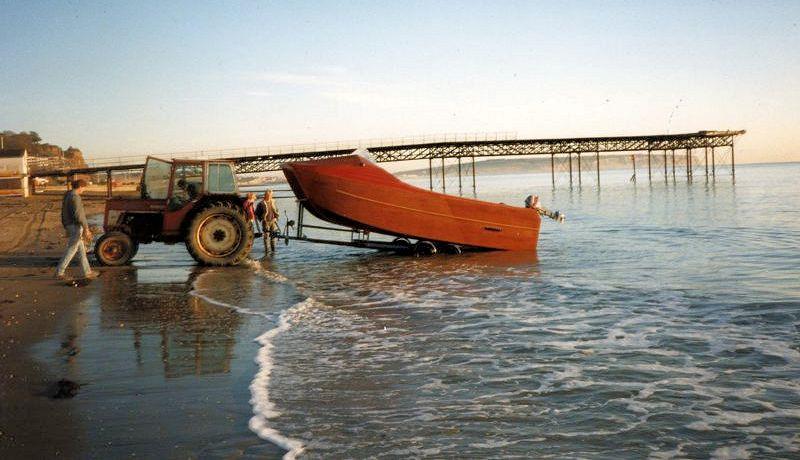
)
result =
(219, 235)
(115, 249)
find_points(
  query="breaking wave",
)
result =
(263, 407)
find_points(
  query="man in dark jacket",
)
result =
(73, 218)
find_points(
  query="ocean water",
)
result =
(660, 320)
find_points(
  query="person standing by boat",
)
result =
(73, 218)
(267, 214)
(532, 202)
(249, 209)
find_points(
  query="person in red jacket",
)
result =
(249, 209)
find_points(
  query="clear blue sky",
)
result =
(133, 77)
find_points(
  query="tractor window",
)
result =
(155, 185)
(188, 180)
(220, 178)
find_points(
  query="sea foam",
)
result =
(263, 407)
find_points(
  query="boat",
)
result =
(353, 192)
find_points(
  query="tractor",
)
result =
(194, 202)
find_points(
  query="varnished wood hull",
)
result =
(353, 192)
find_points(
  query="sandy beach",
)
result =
(161, 373)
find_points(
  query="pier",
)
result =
(577, 159)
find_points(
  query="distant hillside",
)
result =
(542, 164)
(43, 156)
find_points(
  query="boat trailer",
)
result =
(295, 231)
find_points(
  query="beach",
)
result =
(137, 397)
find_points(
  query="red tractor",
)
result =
(194, 202)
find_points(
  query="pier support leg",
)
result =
(597, 164)
(444, 190)
(430, 173)
(633, 160)
(553, 169)
(705, 151)
(713, 164)
(688, 166)
(109, 186)
(649, 170)
(733, 163)
(673, 165)
(474, 187)
(459, 177)
(579, 169)
(666, 174)
(570, 169)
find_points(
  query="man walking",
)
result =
(73, 218)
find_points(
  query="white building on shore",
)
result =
(14, 172)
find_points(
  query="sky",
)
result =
(123, 78)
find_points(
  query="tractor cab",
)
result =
(177, 186)
(173, 195)
(181, 179)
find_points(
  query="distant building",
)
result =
(14, 172)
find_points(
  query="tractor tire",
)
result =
(115, 248)
(219, 235)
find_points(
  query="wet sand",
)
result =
(162, 373)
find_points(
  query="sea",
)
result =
(660, 320)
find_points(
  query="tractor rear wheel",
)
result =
(115, 248)
(219, 235)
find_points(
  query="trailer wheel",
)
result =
(452, 249)
(115, 249)
(219, 235)
(424, 248)
(405, 246)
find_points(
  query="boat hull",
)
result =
(353, 192)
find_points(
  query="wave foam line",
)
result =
(270, 275)
(263, 407)
(196, 293)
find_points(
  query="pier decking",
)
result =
(567, 153)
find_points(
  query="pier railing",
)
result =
(297, 149)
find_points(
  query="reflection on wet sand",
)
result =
(188, 335)
(152, 359)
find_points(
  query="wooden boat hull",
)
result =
(353, 192)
